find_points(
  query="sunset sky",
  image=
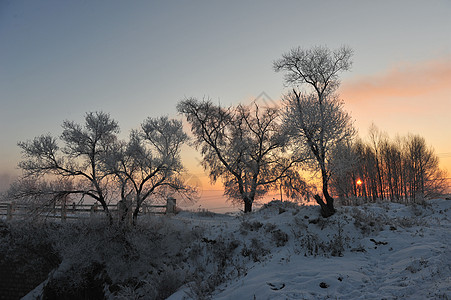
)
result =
(135, 59)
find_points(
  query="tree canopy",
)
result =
(243, 145)
(315, 115)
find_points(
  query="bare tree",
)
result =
(81, 157)
(409, 170)
(293, 186)
(392, 167)
(243, 145)
(424, 178)
(150, 162)
(344, 162)
(377, 138)
(316, 116)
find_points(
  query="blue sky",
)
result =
(134, 59)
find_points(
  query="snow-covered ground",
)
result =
(375, 251)
(280, 251)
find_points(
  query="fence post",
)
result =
(121, 207)
(94, 209)
(170, 205)
(63, 210)
(9, 210)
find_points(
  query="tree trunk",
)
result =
(247, 205)
(329, 201)
(122, 210)
(135, 215)
(325, 208)
(106, 210)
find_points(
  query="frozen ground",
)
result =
(280, 251)
(376, 251)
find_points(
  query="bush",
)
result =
(256, 251)
(367, 222)
(247, 226)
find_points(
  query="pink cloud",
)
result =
(409, 97)
(404, 80)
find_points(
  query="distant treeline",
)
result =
(404, 168)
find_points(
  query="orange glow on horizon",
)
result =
(402, 80)
(407, 98)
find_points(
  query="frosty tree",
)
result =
(94, 163)
(243, 145)
(408, 169)
(80, 158)
(315, 115)
(149, 162)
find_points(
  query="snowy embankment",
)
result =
(281, 251)
(375, 251)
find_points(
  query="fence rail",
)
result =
(79, 211)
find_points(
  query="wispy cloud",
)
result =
(409, 97)
(401, 81)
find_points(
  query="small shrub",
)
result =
(256, 251)
(202, 287)
(336, 246)
(282, 205)
(300, 222)
(367, 222)
(417, 265)
(313, 245)
(269, 227)
(247, 226)
(279, 237)
(406, 222)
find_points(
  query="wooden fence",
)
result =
(78, 211)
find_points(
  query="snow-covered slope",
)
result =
(281, 251)
(375, 251)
